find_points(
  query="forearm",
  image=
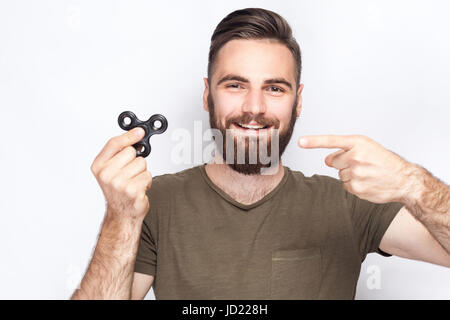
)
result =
(110, 272)
(428, 200)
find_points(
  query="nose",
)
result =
(254, 102)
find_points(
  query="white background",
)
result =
(68, 68)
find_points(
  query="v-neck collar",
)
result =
(245, 207)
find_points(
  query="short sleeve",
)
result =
(370, 222)
(146, 255)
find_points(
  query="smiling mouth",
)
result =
(246, 126)
(249, 128)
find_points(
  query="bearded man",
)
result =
(242, 227)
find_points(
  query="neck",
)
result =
(244, 188)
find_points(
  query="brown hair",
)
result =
(254, 23)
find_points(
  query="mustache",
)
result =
(247, 118)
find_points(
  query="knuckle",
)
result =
(103, 176)
(140, 195)
(356, 158)
(356, 172)
(130, 191)
(357, 187)
(94, 168)
(117, 184)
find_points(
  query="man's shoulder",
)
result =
(325, 193)
(169, 186)
(315, 181)
(317, 186)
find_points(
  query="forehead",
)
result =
(255, 59)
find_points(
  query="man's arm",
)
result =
(429, 202)
(110, 273)
(374, 173)
(408, 238)
(124, 180)
(141, 285)
(421, 229)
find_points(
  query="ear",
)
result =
(205, 95)
(299, 101)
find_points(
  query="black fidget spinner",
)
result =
(150, 126)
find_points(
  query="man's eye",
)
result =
(271, 88)
(276, 89)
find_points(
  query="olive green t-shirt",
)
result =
(306, 239)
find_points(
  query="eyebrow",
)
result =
(236, 77)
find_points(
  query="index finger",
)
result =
(344, 142)
(116, 144)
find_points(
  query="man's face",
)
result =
(252, 94)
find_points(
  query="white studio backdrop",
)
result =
(68, 68)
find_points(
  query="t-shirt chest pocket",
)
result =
(296, 274)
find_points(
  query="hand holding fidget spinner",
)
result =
(156, 124)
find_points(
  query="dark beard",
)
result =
(247, 167)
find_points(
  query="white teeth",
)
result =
(249, 126)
